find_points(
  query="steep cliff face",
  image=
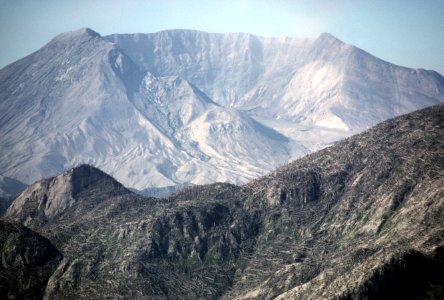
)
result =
(360, 220)
(27, 262)
(322, 81)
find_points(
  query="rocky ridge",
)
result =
(361, 219)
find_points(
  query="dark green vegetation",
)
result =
(363, 219)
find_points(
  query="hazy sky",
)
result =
(405, 32)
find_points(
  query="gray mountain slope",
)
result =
(10, 187)
(81, 99)
(359, 220)
(320, 81)
(180, 107)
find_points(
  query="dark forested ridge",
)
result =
(27, 262)
(359, 220)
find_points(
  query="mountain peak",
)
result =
(86, 175)
(88, 31)
(79, 34)
(56, 195)
(329, 38)
(84, 31)
(86, 98)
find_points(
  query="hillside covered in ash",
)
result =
(363, 219)
(181, 107)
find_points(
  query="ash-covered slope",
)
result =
(320, 81)
(28, 260)
(216, 143)
(175, 107)
(81, 99)
(59, 106)
(360, 220)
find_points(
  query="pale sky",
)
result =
(408, 33)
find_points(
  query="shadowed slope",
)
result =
(28, 260)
